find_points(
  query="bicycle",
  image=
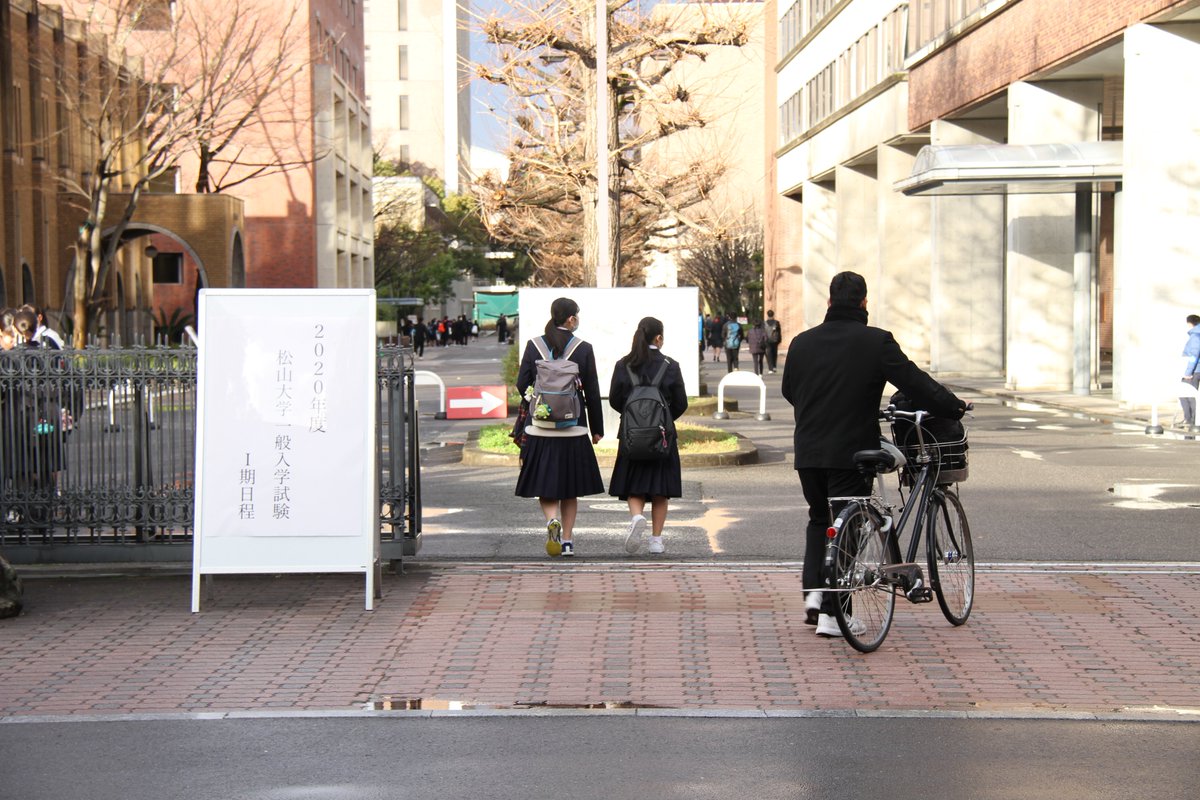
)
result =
(863, 567)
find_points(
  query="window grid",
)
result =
(876, 56)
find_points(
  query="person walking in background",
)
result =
(640, 480)
(774, 338)
(558, 465)
(1191, 369)
(731, 335)
(756, 341)
(501, 329)
(44, 335)
(715, 325)
(418, 337)
(834, 376)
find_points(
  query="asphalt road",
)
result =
(603, 757)
(1044, 485)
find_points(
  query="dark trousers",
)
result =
(1189, 403)
(772, 355)
(758, 361)
(731, 359)
(819, 485)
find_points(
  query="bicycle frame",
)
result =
(907, 574)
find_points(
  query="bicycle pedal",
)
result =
(920, 594)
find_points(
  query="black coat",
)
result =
(834, 378)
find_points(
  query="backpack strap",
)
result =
(658, 376)
(662, 370)
(542, 346)
(572, 346)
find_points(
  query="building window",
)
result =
(168, 268)
(401, 15)
(402, 113)
(16, 129)
(402, 74)
(405, 159)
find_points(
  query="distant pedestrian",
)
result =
(418, 337)
(715, 324)
(1191, 369)
(44, 335)
(501, 329)
(774, 337)
(638, 481)
(756, 341)
(558, 465)
(731, 335)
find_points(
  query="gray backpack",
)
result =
(556, 384)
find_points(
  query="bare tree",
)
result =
(546, 60)
(156, 85)
(726, 269)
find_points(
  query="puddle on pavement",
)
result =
(442, 704)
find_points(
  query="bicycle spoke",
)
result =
(951, 557)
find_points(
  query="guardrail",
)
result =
(97, 453)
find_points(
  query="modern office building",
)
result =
(1050, 226)
(417, 82)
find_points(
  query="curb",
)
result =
(746, 453)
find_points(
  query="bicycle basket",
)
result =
(946, 441)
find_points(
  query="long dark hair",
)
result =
(639, 352)
(561, 310)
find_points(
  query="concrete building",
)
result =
(1050, 227)
(417, 82)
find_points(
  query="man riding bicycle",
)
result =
(834, 377)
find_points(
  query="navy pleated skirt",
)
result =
(646, 478)
(559, 467)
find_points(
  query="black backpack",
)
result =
(647, 430)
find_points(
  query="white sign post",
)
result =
(285, 434)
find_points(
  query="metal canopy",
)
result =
(1012, 168)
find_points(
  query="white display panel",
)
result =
(285, 434)
(609, 317)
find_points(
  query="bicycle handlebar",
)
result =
(891, 412)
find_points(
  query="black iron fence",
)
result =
(97, 454)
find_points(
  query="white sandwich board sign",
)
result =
(609, 317)
(285, 434)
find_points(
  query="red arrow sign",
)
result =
(476, 402)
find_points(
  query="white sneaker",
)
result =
(633, 537)
(812, 607)
(827, 626)
(656, 546)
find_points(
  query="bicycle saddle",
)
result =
(887, 458)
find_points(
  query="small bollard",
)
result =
(739, 378)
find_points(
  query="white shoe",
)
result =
(633, 537)
(827, 626)
(812, 607)
(656, 546)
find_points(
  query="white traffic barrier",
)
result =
(422, 377)
(741, 378)
(1180, 389)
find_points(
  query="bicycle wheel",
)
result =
(951, 557)
(863, 602)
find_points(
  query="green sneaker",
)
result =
(554, 538)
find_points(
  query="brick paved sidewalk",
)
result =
(690, 636)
